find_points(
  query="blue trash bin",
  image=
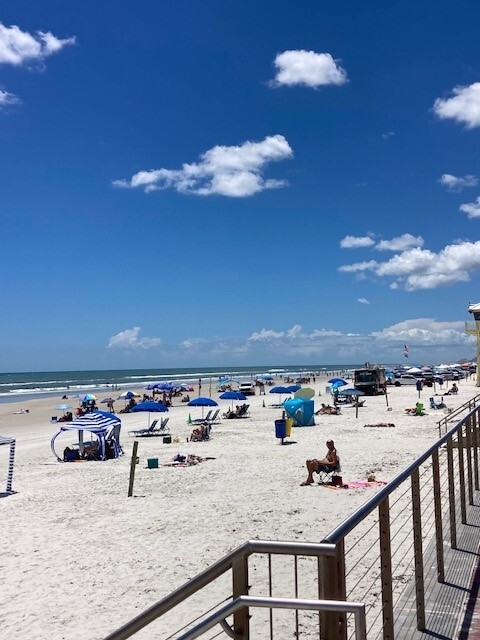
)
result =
(281, 429)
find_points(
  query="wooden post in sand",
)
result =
(132, 468)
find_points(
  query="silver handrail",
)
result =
(351, 521)
(214, 571)
(357, 608)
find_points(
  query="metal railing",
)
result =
(389, 556)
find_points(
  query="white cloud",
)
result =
(363, 301)
(265, 334)
(129, 339)
(388, 134)
(307, 68)
(417, 269)
(17, 46)
(8, 99)
(425, 332)
(359, 266)
(472, 209)
(453, 183)
(234, 171)
(353, 242)
(464, 106)
(400, 243)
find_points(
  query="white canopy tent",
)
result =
(11, 461)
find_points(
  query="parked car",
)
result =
(247, 388)
(406, 379)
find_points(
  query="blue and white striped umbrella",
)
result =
(93, 420)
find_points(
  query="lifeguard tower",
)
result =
(473, 328)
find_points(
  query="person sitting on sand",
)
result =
(329, 462)
(453, 390)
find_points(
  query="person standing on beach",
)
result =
(330, 461)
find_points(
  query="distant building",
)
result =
(473, 328)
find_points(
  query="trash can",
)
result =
(288, 427)
(152, 463)
(280, 429)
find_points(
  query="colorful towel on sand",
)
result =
(189, 460)
(356, 484)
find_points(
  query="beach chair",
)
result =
(213, 419)
(203, 420)
(243, 413)
(327, 474)
(138, 433)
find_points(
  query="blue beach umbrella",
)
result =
(232, 395)
(88, 397)
(337, 385)
(294, 387)
(337, 381)
(202, 402)
(149, 405)
(281, 390)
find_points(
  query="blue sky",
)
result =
(221, 183)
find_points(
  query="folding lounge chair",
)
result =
(213, 419)
(202, 420)
(137, 433)
(326, 473)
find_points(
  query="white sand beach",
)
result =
(80, 558)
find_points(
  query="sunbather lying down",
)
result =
(380, 424)
(326, 409)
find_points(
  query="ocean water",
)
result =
(15, 387)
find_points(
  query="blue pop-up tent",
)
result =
(301, 410)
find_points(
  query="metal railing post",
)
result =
(468, 441)
(475, 449)
(437, 502)
(331, 586)
(241, 617)
(461, 476)
(451, 495)
(386, 568)
(418, 549)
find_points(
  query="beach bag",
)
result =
(337, 481)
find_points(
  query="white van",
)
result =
(247, 388)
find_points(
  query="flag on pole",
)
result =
(406, 351)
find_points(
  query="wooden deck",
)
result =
(453, 610)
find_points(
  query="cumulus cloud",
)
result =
(454, 183)
(129, 339)
(417, 269)
(400, 243)
(425, 332)
(307, 68)
(8, 99)
(363, 301)
(265, 334)
(388, 134)
(354, 242)
(463, 107)
(472, 209)
(234, 171)
(18, 47)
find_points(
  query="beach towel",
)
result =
(356, 484)
(189, 460)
